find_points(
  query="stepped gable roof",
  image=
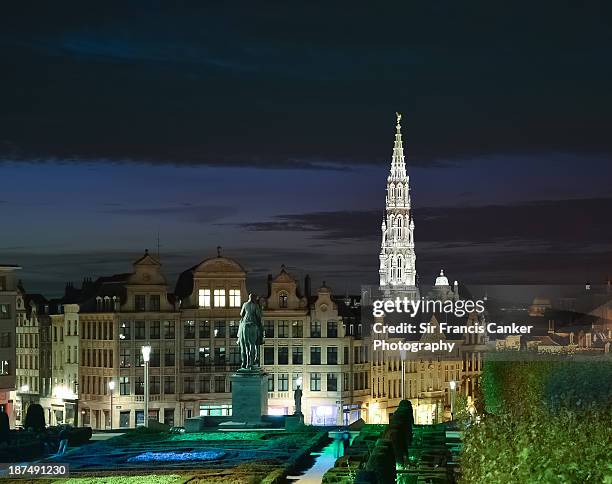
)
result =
(285, 277)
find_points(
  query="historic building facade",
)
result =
(310, 345)
(9, 298)
(210, 295)
(91, 343)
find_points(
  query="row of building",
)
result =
(80, 356)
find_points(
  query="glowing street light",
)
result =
(453, 386)
(24, 389)
(146, 356)
(111, 387)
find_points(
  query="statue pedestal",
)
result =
(249, 395)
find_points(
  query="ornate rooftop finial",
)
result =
(218, 251)
(399, 117)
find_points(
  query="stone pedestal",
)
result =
(249, 396)
(293, 422)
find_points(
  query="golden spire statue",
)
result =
(399, 117)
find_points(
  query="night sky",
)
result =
(267, 128)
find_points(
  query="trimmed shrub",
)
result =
(5, 428)
(400, 430)
(382, 462)
(35, 418)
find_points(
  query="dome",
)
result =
(441, 280)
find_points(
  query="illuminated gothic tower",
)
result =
(397, 257)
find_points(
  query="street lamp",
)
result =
(403, 358)
(146, 356)
(24, 389)
(453, 385)
(111, 387)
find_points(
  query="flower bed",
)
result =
(177, 456)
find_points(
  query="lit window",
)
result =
(219, 298)
(204, 298)
(315, 382)
(234, 298)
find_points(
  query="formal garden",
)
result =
(147, 455)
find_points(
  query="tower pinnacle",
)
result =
(397, 257)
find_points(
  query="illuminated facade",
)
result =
(96, 333)
(397, 258)
(311, 341)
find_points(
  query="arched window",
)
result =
(400, 264)
(107, 304)
(283, 299)
(98, 304)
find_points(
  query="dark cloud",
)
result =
(253, 86)
(563, 221)
(557, 241)
(342, 224)
(185, 212)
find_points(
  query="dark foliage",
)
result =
(79, 435)
(35, 418)
(400, 430)
(5, 429)
(382, 462)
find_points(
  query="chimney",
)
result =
(307, 285)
